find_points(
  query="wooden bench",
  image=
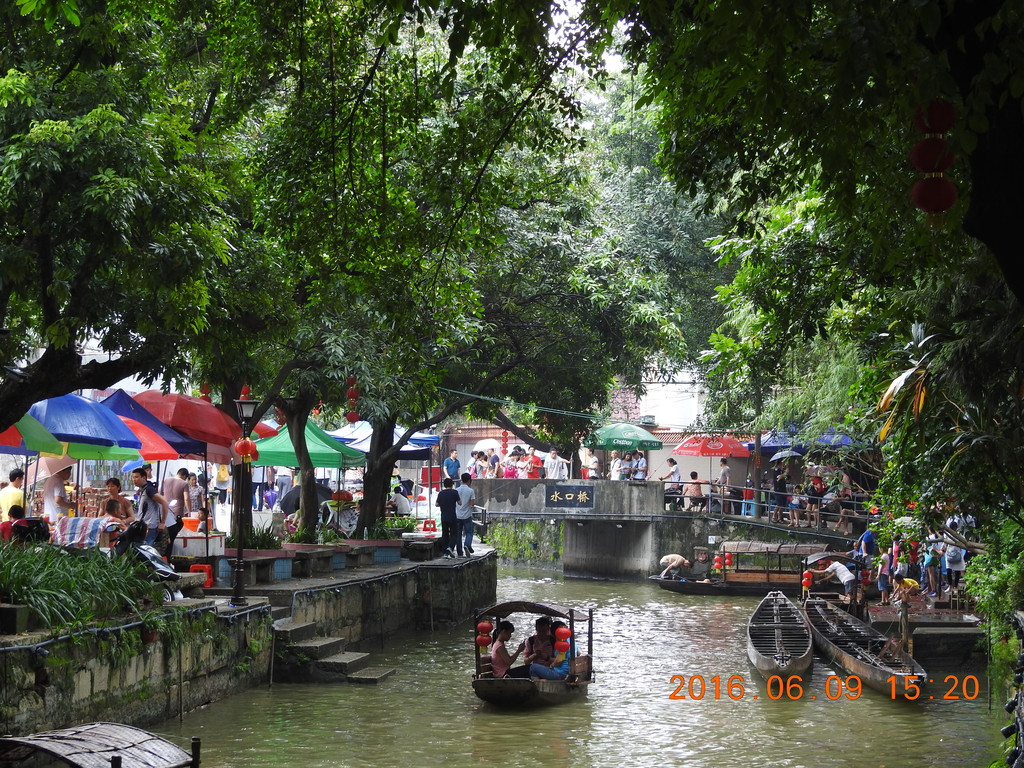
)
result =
(313, 562)
(579, 668)
(486, 670)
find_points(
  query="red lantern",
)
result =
(562, 646)
(808, 575)
(353, 404)
(484, 628)
(728, 559)
(204, 392)
(938, 117)
(352, 393)
(350, 381)
(718, 562)
(245, 447)
(245, 392)
(504, 434)
(931, 155)
(807, 582)
(483, 640)
(934, 194)
(352, 417)
(562, 633)
(865, 577)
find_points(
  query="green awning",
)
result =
(323, 449)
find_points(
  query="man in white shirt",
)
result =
(55, 501)
(399, 502)
(640, 466)
(555, 467)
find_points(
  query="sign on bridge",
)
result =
(570, 496)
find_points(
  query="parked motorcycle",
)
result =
(132, 540)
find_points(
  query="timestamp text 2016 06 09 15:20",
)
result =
(696, 687)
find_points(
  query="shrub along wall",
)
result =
(136, 673)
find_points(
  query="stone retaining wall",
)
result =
(135, 674)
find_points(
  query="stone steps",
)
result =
(317, 647)
(371, 675)
(345, 663)
(287, 631)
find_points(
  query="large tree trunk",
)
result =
(296, 412)
(380, 462)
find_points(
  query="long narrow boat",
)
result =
(758, 567)
(527, 692)
(779, 639)
(860, 649)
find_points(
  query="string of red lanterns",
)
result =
(504, 442)
(352, 393)
(934, 194)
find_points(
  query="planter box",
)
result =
(191, 544)
(13, 619)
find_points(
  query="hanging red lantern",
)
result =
(352, 417)
(483, 640)
(352, 393)
(807, 582)
(350, 381)
(562, 633)
(931, 155)
(865, 577)
(484, 628)
(504, 434)
(718, 562)
(245, 392)
(938, 117)
(245, 447)
(728, 559)
(562, 646)
(808, 575)
(204, 392)
(934, 194)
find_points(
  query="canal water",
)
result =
(644, 637)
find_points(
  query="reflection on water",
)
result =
(427, 715)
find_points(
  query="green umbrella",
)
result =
(622, 437)
(28, 434)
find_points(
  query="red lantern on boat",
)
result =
(807, 575)
(483, 640)
(807, 583)
(728, 559)
(562, 633)
(718, 562)
(484, 628)
(562, 646)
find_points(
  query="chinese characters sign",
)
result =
(570, 496)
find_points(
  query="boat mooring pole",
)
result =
(196, 749)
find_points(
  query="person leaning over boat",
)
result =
(673, 563)
(539, 647)
(558, 667)
(501, 661)
(904, 588)
(842, 573)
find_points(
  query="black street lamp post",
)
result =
(242, 491)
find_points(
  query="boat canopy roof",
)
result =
(852, 558)
(92, 745)
(770, 547)
(501, 610)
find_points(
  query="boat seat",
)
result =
(579, 668)
(485, 666)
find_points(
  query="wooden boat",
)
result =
(779, 639)
(526, 692)
(94, 744)
(860, 649)
(759, 567)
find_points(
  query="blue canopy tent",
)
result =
(359, 434)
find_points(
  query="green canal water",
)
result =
(427, 715)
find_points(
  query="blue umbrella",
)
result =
(76, 419)
(123, 404)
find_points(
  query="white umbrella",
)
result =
(50, 465)
(487, 442)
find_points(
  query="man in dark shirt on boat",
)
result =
(539, 648)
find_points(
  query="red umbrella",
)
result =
(154, 447)
(191, 416)
(711, 445)
(263, 429)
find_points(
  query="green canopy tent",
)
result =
(324, 450)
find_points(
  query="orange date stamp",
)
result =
(697, 687)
